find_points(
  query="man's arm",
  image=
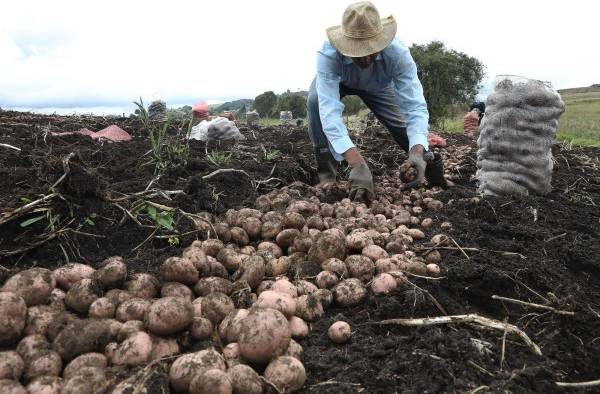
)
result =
(330, 105)
(410, 95)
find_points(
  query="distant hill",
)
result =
(590, 89)
(234, 105)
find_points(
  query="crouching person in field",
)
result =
(362, 57)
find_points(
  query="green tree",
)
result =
(352, 104)
(292, 102)
(265, 104)
(449, 78)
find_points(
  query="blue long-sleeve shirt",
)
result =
(392, 65)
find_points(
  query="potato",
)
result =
(11, 387)
(178, 269)
(69, 274)
(326, 280)
(212, 247)
(201, 328)
(175, 289)
(59, 322)
(217, 269)
(330, 243)
(264, 334)
(11, 365)
(162, 347)
(433, 257)
(252, 226)
(446, 225)
(385, 265)
(102, 308)
(252, 271)
(415, 233)
(229, 329)
(277, 267)
(85, 336)
(427, 222)
(302, 243)
(215, 306)
(325, 296)
(245, 380)
(282, 302)
(304, 208)
(264, 285)
(440, 240)
(374, 252)
(239, 236)
(87, 380)
(413, 266)
(39, 318)
(433, 269)
(286, 373)
(349, 292)
(284, 286)
(212, 284)
(309, 307)
(85, 360)
(298, 327)
(197, 256)
(82, 294)
(305, 287)
(435, 205)
(263, 203)
(189, 365)
(360, 267)
(230, 259)
(271, 247)
(130, 327)
(57, 299)
(118, 296)
(142, 285)
(133, 351)
(344, 211)
(45, 385)
(383, 284)
(294, 350)
(211, 381)
(231, 351)
(269, 230)
(42, 363)
(14, 315)
(31, 345)
(133, 309)
(339, 332)
(34, 285)
(293, 220)
(336, 266)
(112, 272)
(170, 315)
(357, 241)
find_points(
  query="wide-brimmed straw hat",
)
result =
(362, 31)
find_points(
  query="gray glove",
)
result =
(360, 184)
(417, 161)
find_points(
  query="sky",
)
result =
(104, 54)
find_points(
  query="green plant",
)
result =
(162, 219)
(271, 154)
(49, 216)
(25, 200)
(219, 158)
(173, 241)
(165, 153)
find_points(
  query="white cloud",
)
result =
(75, 53)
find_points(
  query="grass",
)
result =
(578, 125)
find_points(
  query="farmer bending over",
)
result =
(363, 58)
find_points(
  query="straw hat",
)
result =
(362, 31)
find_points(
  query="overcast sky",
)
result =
(104, 53)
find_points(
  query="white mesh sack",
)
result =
(218, 128)
(518, 130)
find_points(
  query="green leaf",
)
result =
(165, 219)
(29, 222)
(25, 200)
(151, 211)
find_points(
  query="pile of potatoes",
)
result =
(251, 289)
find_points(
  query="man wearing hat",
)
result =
(363, 58)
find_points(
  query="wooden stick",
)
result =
(470, 318)
(461, 249)
(532, 305)
(589, 383)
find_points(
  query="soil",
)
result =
(538, 249)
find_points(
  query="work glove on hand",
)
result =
(360, 184)
(418, 162)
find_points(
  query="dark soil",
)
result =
(539, 249)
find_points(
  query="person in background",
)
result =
(479, 105)
(362, 57)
